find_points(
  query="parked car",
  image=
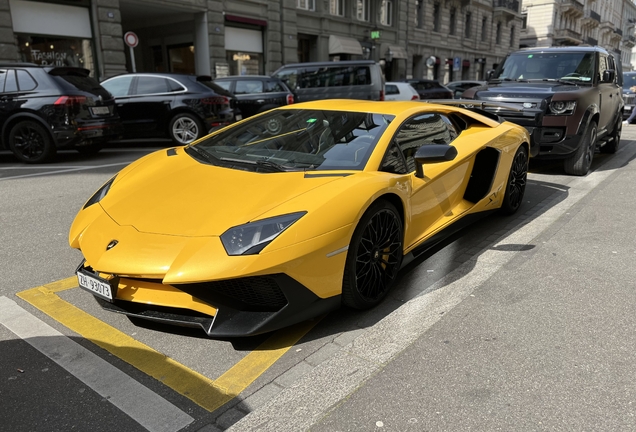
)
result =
(569, 99)
(400, 91)
(288, 215)
(430, 89)
(629, 93)
(43, 109)
(347, 79)
(459, 87)
(255, 94)
(177, 106)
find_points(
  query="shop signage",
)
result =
(241, 57)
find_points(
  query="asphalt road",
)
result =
(67, 364)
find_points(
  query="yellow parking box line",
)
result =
(207, 393)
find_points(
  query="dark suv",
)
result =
(256, 93)
(44, 108)
(569, 99)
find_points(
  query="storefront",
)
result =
(244, 45)
(53, 34)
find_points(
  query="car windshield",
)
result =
(629, 81)
(571, 66)
(295, 140)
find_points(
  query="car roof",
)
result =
(578, 48)
(332, 63)
(160, 74)
(245, 77)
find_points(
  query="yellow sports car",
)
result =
(289, 214)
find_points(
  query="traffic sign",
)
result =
(131, 39)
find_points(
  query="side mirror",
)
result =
(490, 74)
(609, 75)
(433, 153)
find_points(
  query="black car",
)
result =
(256, 93)
(430, 89)
(45, 108)
(177, 106)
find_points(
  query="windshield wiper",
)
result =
(559, 80)
(261, 162)
(498, 80)
(207, 156)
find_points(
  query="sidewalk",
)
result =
(535, 333)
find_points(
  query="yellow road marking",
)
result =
(207, 393)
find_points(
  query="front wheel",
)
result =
(517, 179)
(580, 162)
(30, 142)
(185, 128)
(374, 257)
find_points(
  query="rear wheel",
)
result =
(374, 257)
(30, 142)
(580, 162)
(611, 146)
(185, 128)
(516, 186)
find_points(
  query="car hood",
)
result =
(519, 90)
(177, 195)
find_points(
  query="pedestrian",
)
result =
(633, 114)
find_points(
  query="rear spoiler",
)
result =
(479, 107)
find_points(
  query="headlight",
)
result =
(251, 238)
(562, 107)
(100, 194)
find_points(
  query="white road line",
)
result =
(144, 406)
(312, 396)
(61, 171)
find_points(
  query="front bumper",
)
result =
(230, 308)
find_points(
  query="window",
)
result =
(118, 86)
(248, 87)
(386, 12)
(151, 85)
(436, 17)
(453, 15)
(484, 28)
(25, 80)
(391, 89)
(498, 34)
(419, 13)
(362, 10)
(336, 7)
(524, 21)
(333, 76)
(3, 76)
(422, 130)
(273, 86)
(602, 66)
(309, 5)
(512, 36)
(11, 85)
(225, 85)
(467, 29)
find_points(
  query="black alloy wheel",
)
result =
(517, 180)
(580, 162)
(611, 146)
(374, 257)
(30, 142)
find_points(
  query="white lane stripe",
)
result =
(61, 171)
(144, 406)
(309, 399)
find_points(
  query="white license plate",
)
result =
(628, 107)
(95, 286)
(100, 110)
(239, 117)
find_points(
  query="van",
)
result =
(350, 79)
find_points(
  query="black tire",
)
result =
(185, 128)
(517, 179)
(89, 150)
(374, 257)
(30, 142)
(580, 162)
(611, 146)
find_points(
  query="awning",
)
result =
(344, 45)
(396, 51)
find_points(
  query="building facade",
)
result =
(440, 39)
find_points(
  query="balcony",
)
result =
(506, 9)
(591, 41)
(567, 37)
(572, 8)
(618, 31)
(591, 19)
(629, 41)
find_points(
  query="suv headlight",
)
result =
(562, 107)
(251, 238)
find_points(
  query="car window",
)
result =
(334, 76)
(174, 86)
(118, 86)
(151, 85)
(393, 161)
(248, 87)
(602, 66)
(3, 77)
(391, 89)
(424, 129)
(273, 86)
(11, 85)
(25, 80)
(289, 76)
(225, 85)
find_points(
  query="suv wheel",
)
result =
(185, 128)
(30, 142)
(611, 146)
(580, 162)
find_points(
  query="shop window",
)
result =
(362, 10)
(242, 63)
(56, 51)
(386, 12)
(307, 5)
(181, 58)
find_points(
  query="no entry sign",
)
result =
(131, 39)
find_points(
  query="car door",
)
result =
(149, 104)
(250, 95)
(7, 100)
(608, 96)
(435, 199)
